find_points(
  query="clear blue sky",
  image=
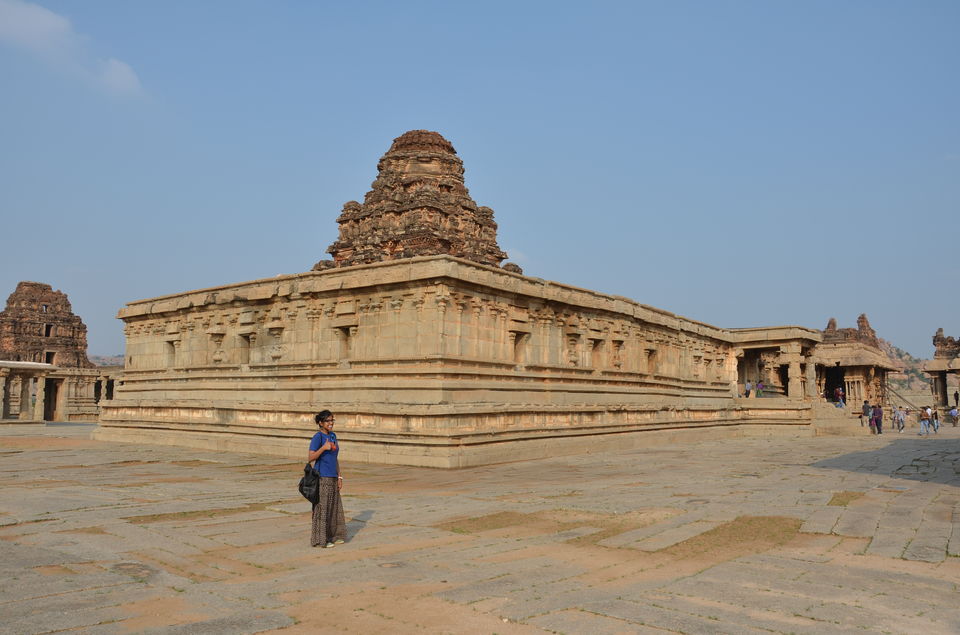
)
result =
(739, 163)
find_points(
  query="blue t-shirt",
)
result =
(326, 465)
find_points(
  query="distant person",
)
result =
(865, 413)
(935, 420)
(747, 388)
(759, 388)
(956, 398)
(924, 421)
(843, 397)
(899, 418)
(954, 415)
(876, 419)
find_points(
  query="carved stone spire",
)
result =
(38, 325)
(946, 347)
(418, 206)
(865, 332)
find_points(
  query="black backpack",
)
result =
(310, 484)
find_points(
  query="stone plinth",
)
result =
(431, 361)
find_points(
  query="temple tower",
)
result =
(418, 206)
(38, 325)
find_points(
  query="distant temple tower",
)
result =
(38, 325)
(419, 206)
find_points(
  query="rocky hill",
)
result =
(107, 360)
(913, 378)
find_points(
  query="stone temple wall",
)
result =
(430, 361)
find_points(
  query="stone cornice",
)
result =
(436, 269)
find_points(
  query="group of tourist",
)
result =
(928, 417)
(873, 416)
(748, 387)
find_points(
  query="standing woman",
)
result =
(329, 527)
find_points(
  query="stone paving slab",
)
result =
(144, 539)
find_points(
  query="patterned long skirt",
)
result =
(328, 523)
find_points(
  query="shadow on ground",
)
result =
(930, 459)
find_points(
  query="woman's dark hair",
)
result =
(323, 415)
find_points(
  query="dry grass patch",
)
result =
(743, 535)
(842, 499)
(53, 569)
(485, 523)
(557, 520)
(616, 524)
(97, 531)
(202, 513)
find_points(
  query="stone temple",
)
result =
(851, 359)
(432, 353)
(38, 325)
(43, 359)
(946, 361)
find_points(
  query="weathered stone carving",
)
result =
(38, 325)
(418, 206)
(946, 347)
(863, 333)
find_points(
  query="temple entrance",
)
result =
(51, 388)
(834, 377)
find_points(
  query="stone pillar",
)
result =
(25, 397)
(4, 393)
(811, 378)
(794, 383)
(940, 388)
(41, 394)
(790, 355)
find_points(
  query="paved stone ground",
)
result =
(733, 536)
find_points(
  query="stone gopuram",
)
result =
(430, 353)
(38, 325)
(47, 347)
